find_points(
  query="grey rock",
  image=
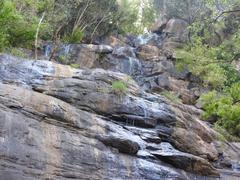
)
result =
(184, 160)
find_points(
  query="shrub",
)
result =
(76, 37)
(200, 63)
(224, 135)
(225, 107)
(119, 87)
(234, 92)
(15, 28)
(63, 59)
(233, 76)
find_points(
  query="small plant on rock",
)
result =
(76, 66)
(119, 87)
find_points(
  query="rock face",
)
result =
(83, 54)
(175, 30)
(57, 122)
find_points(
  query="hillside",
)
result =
(118, 103)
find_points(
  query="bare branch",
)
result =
(37, 32)
(225, 12)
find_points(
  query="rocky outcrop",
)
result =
(63, 123)
(45, 138)
(175, 30)
(182, 160)
(84, 55)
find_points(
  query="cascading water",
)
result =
(236, 167)
(134, 66)
(64, 50)
(149, 37)
(144, 106)
(47, 50)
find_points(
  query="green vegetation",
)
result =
(137, 19)
(76, 66)
(224, 135)
(225, 107)
(201, 63)
(25, 23)
(76, 37)
(63, 59)
(16, 29)
(119, 87)
(214, 45)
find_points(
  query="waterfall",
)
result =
(144, 108)
(236, 167)
(149, 37)
(145, 38)
(134, 66)
(66, 49)
(47, 50)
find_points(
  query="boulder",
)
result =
(185, 161)
(123, 145)
(116, 41)
(85, 55)
(159, 25)
(176, 29)
(149, 53)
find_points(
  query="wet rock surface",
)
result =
(167, 153)
(57, 122)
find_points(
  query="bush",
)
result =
(224, 135)
(234, 92)
(63, 59)
(119, 87)
(211, 63)
(225, 107)
(15, 29)
(233, 76)
(199, 61)
(76, 37)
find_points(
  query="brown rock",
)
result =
(177, 30)
(149, 53)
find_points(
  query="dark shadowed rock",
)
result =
(159, 25)
(184, 161)
(123, 145)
